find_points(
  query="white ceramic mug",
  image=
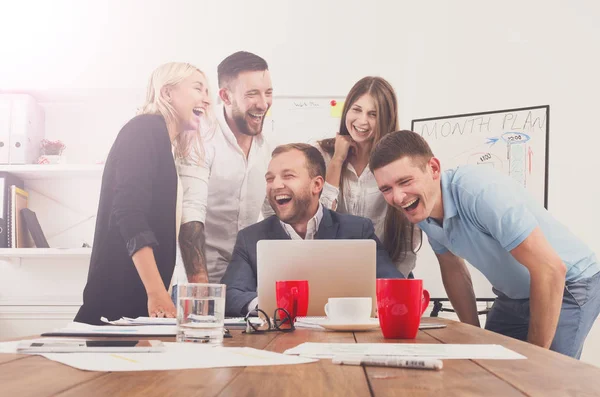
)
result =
(349, 310)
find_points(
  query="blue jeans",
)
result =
(580, 308)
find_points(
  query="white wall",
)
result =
(442, 57)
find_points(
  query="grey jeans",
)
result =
(580, 308)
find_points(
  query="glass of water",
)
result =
(200, 313)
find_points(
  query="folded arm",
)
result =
(333, 176)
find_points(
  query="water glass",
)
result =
(200, 313)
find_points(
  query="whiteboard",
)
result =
(303, 119)
(513, 141)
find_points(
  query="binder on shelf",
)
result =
(17, 231)
(27, 121)
(32, 225)
(5, 106)
(6, 181)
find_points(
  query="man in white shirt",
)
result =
(294, 180)
(236, 156)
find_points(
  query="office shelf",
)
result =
(45, 252)
(53, 171)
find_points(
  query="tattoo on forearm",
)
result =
(191, 242)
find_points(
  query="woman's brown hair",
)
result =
(398, 231)
(386, 106)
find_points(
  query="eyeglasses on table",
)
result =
(281, 321)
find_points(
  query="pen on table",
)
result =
(390, 361)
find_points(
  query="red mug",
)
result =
(292, 295)
(400, 305)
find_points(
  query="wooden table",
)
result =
(544, 373)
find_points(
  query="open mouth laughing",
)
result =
(283, 199)
(411, 205)
(361, 131)
(256, 117)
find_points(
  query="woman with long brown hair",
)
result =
(370, 112)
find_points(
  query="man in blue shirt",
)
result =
(546, 279)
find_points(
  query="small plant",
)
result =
(52, 147)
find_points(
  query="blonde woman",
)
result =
(134, 249)
(370, 112)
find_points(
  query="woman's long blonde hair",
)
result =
(188, 144)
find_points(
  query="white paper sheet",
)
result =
(310, 322)
(176, 356)
(127, 321)
(434, 350)
(314, 323)
(9, 347)
(140, 321)
(240, 322)
(80, 329)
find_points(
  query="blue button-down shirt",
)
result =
(486, 215)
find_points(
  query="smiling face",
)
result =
(247, 100)
(361, 119)
(292, 193)
(190, 101)
(412, 188)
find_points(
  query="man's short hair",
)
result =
(238, 62)
(314, 159)
(397, 145)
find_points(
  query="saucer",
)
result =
(372, 323)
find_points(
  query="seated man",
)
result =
(295, 179)
(546, 279)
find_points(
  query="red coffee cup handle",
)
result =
(295, 293)
(425, 301)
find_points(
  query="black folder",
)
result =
(34, 228)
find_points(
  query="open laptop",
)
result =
(333, 268)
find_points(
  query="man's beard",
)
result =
(239, 118)
(301, 204)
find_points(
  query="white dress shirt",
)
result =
(362, 198)
(233, 196)
(311, 228)
(178, 211)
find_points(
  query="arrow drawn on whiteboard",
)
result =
(530, 154)
(492, 141)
